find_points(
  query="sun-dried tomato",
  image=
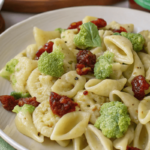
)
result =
(99, 22)
(48, 47)
(8, 102)
(132, 148)
(75, 25)
(85, 62)
(85, 92)
(29, 100)
(139, 85)
(61, 105)
(119, 30)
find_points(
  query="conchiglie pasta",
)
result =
(90, 103)
(130, 101)
(97, 86)
(144, 110)
(96, 140)
(71, 125)
(22, 71)
(142, 136)
(88, 19)
(69, 84)
(39, 85)
(121, 47)
(69, 58)
(124, 141)
(135, 69)
(41, 37)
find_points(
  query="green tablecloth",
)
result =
(4, 145)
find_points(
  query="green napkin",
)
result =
(4, 145)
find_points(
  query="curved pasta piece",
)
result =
(117, 70)
(90, 103)
(130, 101)
(146, 35)
(79, 143)
(88, 19)
(63, 143)
(116, 25)
(121, 47)
(144, 110)
(69, 84)
(97, 140)
(69, 59)
(22, 71)
(68, 37)
(128, 89)
(135, 69)
(87, 148)
(142, 136)
(25, 125)
(39, 85)
(41, 37)
(44, 119)
(97, 86)
(70, 126)
(124, 141)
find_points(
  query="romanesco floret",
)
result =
(52, 63)
(114, 119)
(136, 39)
(9, 69)
(103, 67)
(88, 37)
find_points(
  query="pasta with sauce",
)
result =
(67, 107)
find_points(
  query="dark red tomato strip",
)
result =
(61, 105)
(132, 148)
(85, 92)
(48, 47)
(9, 102)
(85, 62)
(139, 85)
(29, 100)
(119, 30)
(100, 23)
(75, 25)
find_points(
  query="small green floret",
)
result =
(103, 67)
(114, 120)
(25, 108)
(10, 66)
(18, 95)
(52, 63)
(136, 39)
(88, 37)
(60, 30)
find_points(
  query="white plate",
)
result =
(18, 37)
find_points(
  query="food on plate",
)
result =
(87, 83)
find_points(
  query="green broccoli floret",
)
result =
(88, 37)
(114, 119)
(52, 63)
(25, 108)
(103, 67)
(18, 95)
(60, 30)
(9, 69)
(136, 39)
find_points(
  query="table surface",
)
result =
(12, 18)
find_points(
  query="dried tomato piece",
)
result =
(61, 105)
(48, 47)
(99, 22)
(132, 148)
(119, 30)
(75, 25)
(139, 85)
(29, 100)
(85, 62)
(8, 102)
(85, 92)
